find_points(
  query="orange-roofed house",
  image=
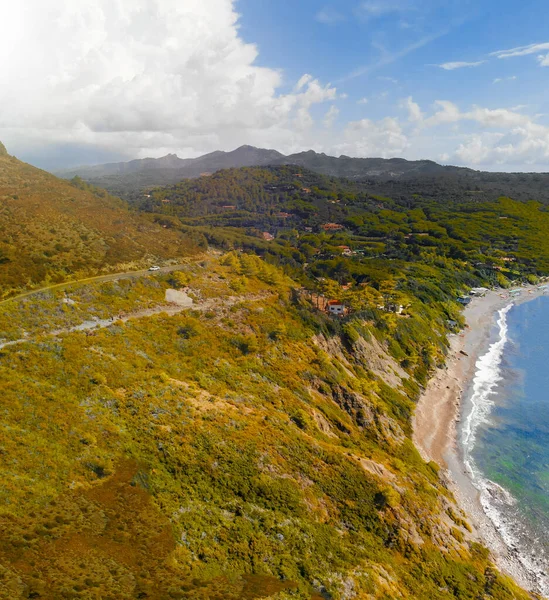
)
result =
(332, 227)
(337, 308)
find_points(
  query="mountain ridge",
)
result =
(129, 179)
(244, 156)
(251, 156)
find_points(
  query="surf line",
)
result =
(498, 504)
(487, 376)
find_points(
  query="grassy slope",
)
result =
(246, 439)
(50, 230)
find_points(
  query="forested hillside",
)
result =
(51, 230)
(348, 232)
(395, 177)
(247, 447)
(212, 433)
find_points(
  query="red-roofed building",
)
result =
(332, 227)
(345, 250)
(337, 308)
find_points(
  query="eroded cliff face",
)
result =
(155, 457)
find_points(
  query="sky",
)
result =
(457, 81)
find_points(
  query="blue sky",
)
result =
(462, 82)
(399, 39)
(387, 50)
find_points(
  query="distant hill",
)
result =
(395, 177)
(245, 156)
(170, 161)
(51, 229)
(125, 179)
(358, 168)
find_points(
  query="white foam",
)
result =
(498, 504)
(487, 376)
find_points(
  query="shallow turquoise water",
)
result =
(512, 449)
(505, 434)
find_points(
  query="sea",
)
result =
(504, 433)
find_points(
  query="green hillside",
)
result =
(240, 449)
(241, 443)
(51, 230)
(344, 230)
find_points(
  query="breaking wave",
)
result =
(497, 503)
(487, 376)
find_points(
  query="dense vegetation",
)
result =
(405, 240)
(258, 437)
(51, 230)
(250, 446)
(389, 177)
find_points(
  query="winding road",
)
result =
(167, 309)
(100, 279)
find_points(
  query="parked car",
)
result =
(155, 268)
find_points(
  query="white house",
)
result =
(337, 308)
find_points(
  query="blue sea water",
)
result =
(505, 435)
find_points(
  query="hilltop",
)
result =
(248, 156)
(51, 229)
(171, 166)
(391, 177)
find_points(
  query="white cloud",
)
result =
(329, 16)
(447, 112)
(501, 136)
(389, 79)
(142, 77)
(539, 49)
(384, 138)
(521, 50)
(330, 116)
(303, 81)
(379, 8)
(363, 101)
(388, 58)
(415, 115)
(502, 79)
(451, 66)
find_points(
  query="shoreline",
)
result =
(438, 415)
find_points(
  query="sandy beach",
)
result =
(439, 410)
